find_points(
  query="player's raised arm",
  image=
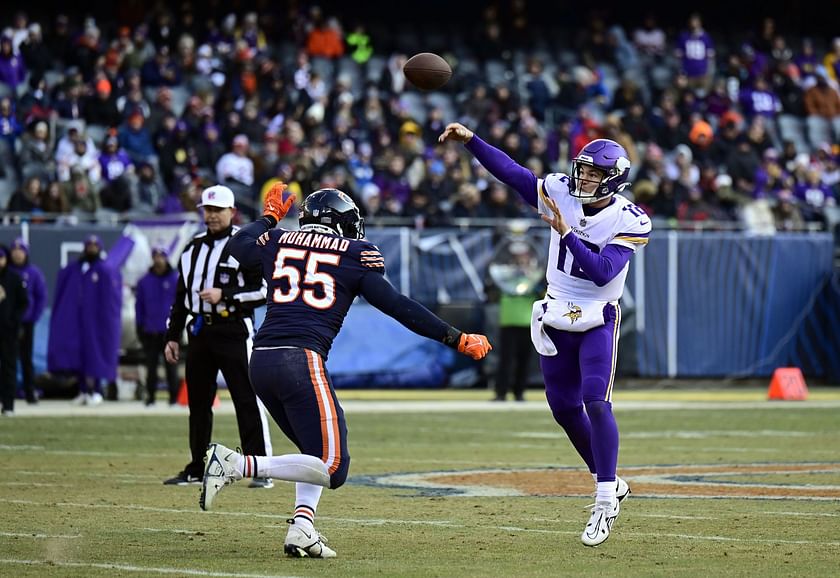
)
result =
(494, 160)
(382, 295)
(243, 245)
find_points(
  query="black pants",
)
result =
(514, 356)
(8, 367)
(27, 338)
(222, 346)
(153, 344)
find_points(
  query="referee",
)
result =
(215, 300)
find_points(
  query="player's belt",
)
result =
(214, 318)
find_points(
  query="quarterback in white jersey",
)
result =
(621, 223)
(576, 327)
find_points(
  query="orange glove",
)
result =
(474, 345)
(274, 203)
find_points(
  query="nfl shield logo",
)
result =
(224, 278)
(583, 222)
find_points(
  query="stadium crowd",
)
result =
(111, 119)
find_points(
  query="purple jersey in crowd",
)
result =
(695, 51)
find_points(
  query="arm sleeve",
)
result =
(382, 295)
(178, 313)
(601, 267)
(505, 169)
(243, 245)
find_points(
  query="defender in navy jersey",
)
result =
(313, 277)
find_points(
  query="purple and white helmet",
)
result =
(610, 157)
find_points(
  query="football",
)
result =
(427, 71)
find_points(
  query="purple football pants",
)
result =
(578, 386)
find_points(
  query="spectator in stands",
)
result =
(12, 67)
(814, 196)
(36, 291)
(101, 108)
(149, 191)
(36, 152)
(83, 159)
(118, 175)
(162, 70)
(235, 169)
(324, 39)
(27, 199)
(806, 61)
(155, 294)
(36, 55)
(696, 52)
(822, 107)
(786, 213)
(55, 201)
(10, 129)
(650, 39)
(831, 61)
(134, 138)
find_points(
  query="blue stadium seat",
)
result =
(792, 128)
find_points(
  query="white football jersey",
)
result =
(621, 223)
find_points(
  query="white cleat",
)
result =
(220, 470)
(80, 399)
(622, 489)
(302, 544)
(94, 399)
(600, 523)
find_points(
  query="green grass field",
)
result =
(81, 495)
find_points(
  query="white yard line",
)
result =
(131, 568)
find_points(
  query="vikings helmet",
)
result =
(610, 157)
(333, 212)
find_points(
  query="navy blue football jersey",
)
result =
(313, 279)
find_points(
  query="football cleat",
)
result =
(600, 523)
(306, 544)
(220, 470)
(622, 489)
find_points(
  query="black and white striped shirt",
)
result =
(206, 263)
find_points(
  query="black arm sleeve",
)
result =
(243, 245)
(178, 312)
(382, 295)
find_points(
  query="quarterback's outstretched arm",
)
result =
(496, 161)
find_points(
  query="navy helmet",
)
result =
(332, 211)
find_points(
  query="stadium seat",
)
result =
(413, 102)
(180, 96)
(819, 131)
(495, 71)
(7, 189)
(792, 128)
(97, 132)
(375, 67)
